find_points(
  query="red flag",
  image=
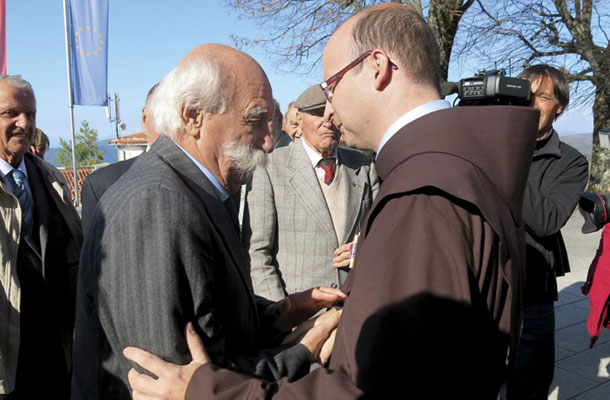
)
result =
(2, 36)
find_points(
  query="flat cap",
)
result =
(311, 99)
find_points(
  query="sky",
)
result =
(146, 39)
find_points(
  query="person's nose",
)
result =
(23, 121)
(330, 115)
(266, 143)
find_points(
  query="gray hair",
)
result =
(150, 93)
(290, 105)
(198, 84)
(18, 82)
(277, 113)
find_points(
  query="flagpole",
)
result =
(71, 105)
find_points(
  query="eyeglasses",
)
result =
(328, 86)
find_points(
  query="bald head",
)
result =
(208, 79)
(237, 66)
(394, 66)
(403, 33)
(216, 105)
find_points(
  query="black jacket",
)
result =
(557, 173)
(97, 183)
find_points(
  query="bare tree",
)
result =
(570, 35)
(295, 32)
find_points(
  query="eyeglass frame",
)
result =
(327, 84)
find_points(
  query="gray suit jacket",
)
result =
(292, 237)
(162, 250)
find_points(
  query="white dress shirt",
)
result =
(222, 192)
(411, 116)
(315, 158)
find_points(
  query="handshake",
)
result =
(288, 315)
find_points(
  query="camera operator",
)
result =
(557, 173)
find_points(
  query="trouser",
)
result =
(533, 373)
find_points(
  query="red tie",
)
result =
(328, 165)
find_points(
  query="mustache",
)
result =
(246, 157)
(20, 132)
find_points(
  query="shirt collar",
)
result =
(411, 116)
(222, 192)
(6, 168)
(313, 155)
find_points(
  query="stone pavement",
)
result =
(580, 373)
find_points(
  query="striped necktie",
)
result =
(328, 165)
(21, 191)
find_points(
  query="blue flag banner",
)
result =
(89, 48)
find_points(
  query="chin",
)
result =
(19, 149)
(349, 140)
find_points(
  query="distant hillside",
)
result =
(110, 154)
(582, 142)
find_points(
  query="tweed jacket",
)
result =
(293, 239)
(10, 235)
(162, 250)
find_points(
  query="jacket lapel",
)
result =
(304, 183)
(53, 189)
(354, 191)
(40, 212)
(205, 191)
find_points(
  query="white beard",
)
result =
(245, 157)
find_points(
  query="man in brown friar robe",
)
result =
(434, 296)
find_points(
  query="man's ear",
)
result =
(144, 116)
(193, 120)
(559, 111)
(382, 69)
(299, 118)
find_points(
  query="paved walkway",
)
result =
(580, 373)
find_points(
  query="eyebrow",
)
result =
(256, 112)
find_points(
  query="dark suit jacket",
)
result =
(438, 270)
(97, 183)
(162, 250)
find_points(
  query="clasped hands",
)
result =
(291, 313)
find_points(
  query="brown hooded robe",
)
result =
(435, 295)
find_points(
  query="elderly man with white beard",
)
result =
(163, 247)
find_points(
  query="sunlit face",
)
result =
(349, 99)
(17, 122)
(245, 124)
(292, 124)
(546, 102)
(319, 132)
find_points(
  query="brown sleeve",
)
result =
(212, 383)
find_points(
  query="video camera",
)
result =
(490, 88)
(594, 209)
